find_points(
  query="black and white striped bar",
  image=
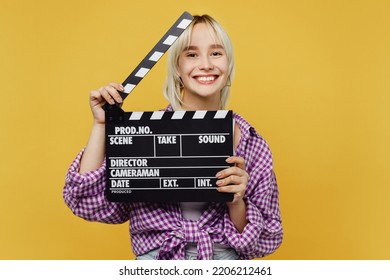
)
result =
(156, 53)
(168, 156)
(113, 112)
(178, 115)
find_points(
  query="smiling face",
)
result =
(203, 69)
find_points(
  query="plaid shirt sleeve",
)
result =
(264, 233)
(84, 195)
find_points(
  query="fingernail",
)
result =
(218, 175)
(121, 87)
(229, 159)
(218, 183)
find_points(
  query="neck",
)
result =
(193, 103)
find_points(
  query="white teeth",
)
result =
(206, 79)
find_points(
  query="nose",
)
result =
(205, 63)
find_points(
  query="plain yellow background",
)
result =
(312, 76)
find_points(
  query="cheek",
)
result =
(182, 63)
(225, 66)
(181, 70)
(179, 66)
(184, 68)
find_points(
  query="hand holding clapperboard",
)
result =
(165, 155)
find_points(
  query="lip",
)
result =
(205, 79)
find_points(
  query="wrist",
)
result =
(237, 203)
(237, 214)
(98, 125)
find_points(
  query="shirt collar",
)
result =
(246, 129)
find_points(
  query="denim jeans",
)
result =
(228, 254)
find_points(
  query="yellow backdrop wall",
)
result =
(312, 76)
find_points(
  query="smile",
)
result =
(206, 79)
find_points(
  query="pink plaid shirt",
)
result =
(161, 225)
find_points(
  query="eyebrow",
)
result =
(192, 48)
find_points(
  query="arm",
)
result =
(84, 195)
(94, 152)
(234, 180)
(262, 233)
(85, 180)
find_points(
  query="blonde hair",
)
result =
(173, 86)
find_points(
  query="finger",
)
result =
(117, 86)
(95, 97)
(94, 94)
(106, 95)
(114, 93)
(237, 161)
(231, 180)
(236, 189)
(231, 171)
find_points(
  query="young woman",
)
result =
(200, 70)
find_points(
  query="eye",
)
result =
(216, 53)
(190, 54)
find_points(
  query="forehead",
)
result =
(204, 35)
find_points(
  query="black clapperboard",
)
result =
(165, 156)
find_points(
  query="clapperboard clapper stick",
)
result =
(165, 156)
(149, 61)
